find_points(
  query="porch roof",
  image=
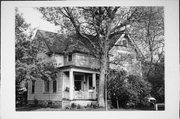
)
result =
(77, 67)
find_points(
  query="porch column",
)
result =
(94, 84)
(94, 80)
(71, 84)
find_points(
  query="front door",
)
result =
(79, 80)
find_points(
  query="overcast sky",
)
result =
(33, 17)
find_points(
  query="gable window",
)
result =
(46, 86)
(124, 43)
(70, 57)
(54, 86)
(33, 87)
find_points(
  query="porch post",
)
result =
(71, 84)
(94, 80)
(94, 85)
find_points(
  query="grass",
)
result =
(38, 108)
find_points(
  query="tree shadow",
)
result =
(28, 108)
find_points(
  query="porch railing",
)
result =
(84, 95)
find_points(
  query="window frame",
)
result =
(124, 43)
(69, 57)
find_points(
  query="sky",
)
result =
(34, 17)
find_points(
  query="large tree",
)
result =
(148, 33)
(23, 56)
(28, 64)
(97, 28)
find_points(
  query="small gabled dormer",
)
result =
(123, 43)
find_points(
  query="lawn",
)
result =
(31, 108)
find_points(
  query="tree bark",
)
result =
(103, 69)
(103, 66)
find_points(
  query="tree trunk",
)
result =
(103, 68)
(103, 65)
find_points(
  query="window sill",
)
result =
(46, 93)
(50, 93)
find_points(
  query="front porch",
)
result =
(79, 85)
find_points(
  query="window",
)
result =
(46, 86)
(124, 43)
(70, 57)
(54, 86)
(33, 86)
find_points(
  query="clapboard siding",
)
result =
(84, 60)
(39, 93)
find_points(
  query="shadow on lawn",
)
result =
(27, 108)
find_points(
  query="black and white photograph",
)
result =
(100, 58)
(90, 58)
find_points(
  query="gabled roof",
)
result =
(131, 43)
(59, 43)
(137, 50)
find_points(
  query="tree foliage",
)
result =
(22, 58)
(125, 89)
(156, 78)
(148, 32)
(28, 66)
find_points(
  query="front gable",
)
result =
(124, 56)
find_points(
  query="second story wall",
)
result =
(81, 60)
(58, 60)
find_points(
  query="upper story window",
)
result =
(124, 43)
(70, 57)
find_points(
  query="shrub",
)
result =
(125, 91)
(73, 105)
(94, 105)
(79, 106)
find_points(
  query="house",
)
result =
(77, 77)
